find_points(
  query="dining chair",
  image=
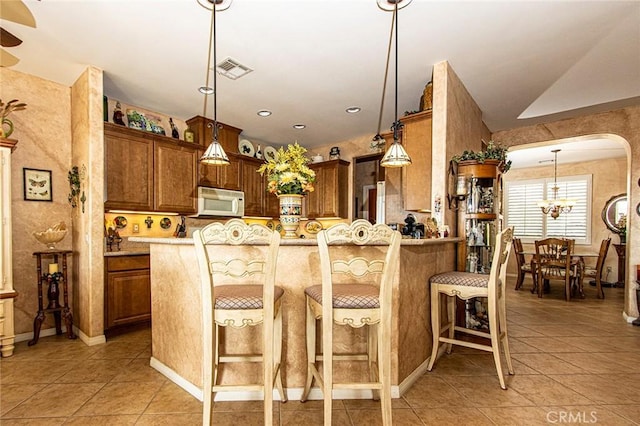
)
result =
(467, 285)
(553, 261)
(596, 271)
(358, 266)
(524, 267)
(237, 265)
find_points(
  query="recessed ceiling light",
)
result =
(264, 113)
(205, 90)
(353, 109)
(299, 126)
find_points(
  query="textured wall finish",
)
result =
(44, 133)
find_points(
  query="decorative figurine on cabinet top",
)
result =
(118, 115)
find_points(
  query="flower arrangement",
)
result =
(288, 173)
(492, 152)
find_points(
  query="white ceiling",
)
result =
(312, 59)
(570, 152)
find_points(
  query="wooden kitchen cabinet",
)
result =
(227, 135)
(330, 197)
(127, 291)
(174, 176)
(253, 185)
(148, 172)
(226, 177)
(416, 178)
(128, 169)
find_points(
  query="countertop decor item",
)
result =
(288, 173)
(52, 235)
(6, 127)
(290, 212)
(313, 227)
(165, 223)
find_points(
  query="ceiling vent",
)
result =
(232, 69)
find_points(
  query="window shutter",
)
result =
(573, 224)
(522, 211)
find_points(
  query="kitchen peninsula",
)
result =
(176, 313)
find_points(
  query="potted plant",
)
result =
(493, 154)
(5, 110)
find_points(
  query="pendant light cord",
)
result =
(212, 43)
(386, 73)
(396, 123)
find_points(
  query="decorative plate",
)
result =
(270, 153)
(120, 222)
(313, 227)
(269, 224)
(245, 147)
(279, 229)
(165, 223)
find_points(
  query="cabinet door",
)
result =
(314, 198)
(128, 298)
(129, 171)
(227, 177)
(253, 187)
(330, 197)
(175, 169)
(271, 202)
(416, 182)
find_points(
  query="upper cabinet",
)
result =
(174, 177)
(148, 172)
(227, 135)
(129, 169)
(416, 178)
(331, 195)
(226, 177)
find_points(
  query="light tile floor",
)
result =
(575, 362)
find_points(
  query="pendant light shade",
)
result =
(396, 155)
(214, 155)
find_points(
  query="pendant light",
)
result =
(556, 206)
(396, 156)
(214, 155)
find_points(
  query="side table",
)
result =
(53, 278)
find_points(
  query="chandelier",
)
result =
(396, 156)
(214, 154)
(556, 206)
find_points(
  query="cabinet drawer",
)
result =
(127, 263)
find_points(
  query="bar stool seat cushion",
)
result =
(466, 279)
(246, 296)
(349, 296)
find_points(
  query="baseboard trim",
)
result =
(292, 393)
(43, 333)
(90, 341)
(412, 378)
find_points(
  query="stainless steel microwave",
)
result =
(219, 202)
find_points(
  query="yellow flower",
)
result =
(288, 172)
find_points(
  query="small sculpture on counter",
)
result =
(181, 229)
(118, 115)
(258, 153)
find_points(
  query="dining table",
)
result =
(577, 264)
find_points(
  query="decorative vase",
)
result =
(5, 132)
(290, 212)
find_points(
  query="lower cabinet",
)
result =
(127, 291)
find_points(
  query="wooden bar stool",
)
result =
(356, 291)
(466, 285)
(238, 268)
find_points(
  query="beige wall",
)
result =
(43, 132)
(608, 178)
(622, 125)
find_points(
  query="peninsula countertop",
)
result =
(298, 241)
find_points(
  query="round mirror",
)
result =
(614, 211)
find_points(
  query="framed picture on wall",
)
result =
(37, 185)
